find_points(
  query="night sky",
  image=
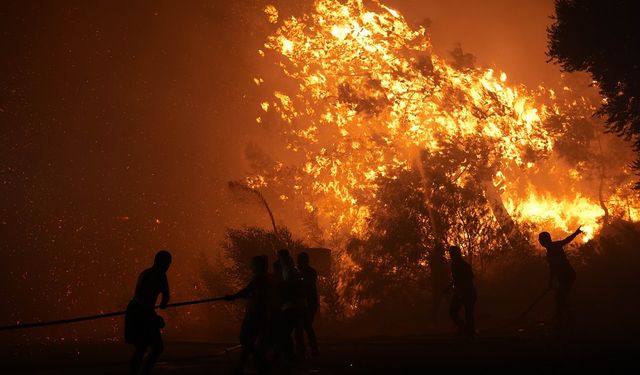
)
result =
(121, 123)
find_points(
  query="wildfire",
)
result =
(365, 96)
(561, 215)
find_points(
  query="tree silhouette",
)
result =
(601, 37)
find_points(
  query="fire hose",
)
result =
(186, 303)
(533, 304)
(100, 316)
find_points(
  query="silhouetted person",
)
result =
(293, 304)
(275, 306)
(309, 284)
(142, 324)
(464, 293)
(439, 276)
(560, 273)
(256, 320)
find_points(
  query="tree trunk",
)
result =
(605, 220)
(508, 226)
(437, 231)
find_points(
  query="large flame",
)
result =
(364, 94)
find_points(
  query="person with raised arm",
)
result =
(561, 276)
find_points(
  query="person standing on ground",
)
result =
(561, 276)
(256, 320)
(464, 293)
(293, 305)
(309, 283)
(142, 324)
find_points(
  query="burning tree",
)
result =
(403, 150)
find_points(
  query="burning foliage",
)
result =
(403, 149)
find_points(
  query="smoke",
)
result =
(123, 124)
(500, 33)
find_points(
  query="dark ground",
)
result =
(520, 353)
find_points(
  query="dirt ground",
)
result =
(444, 353)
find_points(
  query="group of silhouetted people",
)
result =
(280, 309)
(281, 305)
(561, 279)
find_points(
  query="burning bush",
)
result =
(403, 150)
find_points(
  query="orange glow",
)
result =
(370, 95)
(562, 215)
